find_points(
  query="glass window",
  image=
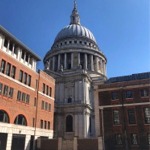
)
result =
(41, 124)
(118, 139)
(23, 55)
(47, 90)
(11, 91)
(42, 104)
(114, 95)
(69, 123)
(8, 69)
(19, 96)
(49, 107)
(23, 97)
(4, 116)
(147, 115)
(144, 93)
(35, 101)
(5, 92)
(3, 64)
(69, 100)
(131, 116)
(21, 76)
(21, 120)
(43, 88)
(116, 117)
(50, 92)
(25, 78)
(6, 43)
(1, 88)
(27, 98)
(129, 94)
(48, 125)
(134, 139)
(29, 80)
(45, 124)
(10, 46)
(13, 72)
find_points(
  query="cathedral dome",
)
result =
(75, 30)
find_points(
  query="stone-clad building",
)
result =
(75, 60)
(26, 96)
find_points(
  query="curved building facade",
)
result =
(75, 61)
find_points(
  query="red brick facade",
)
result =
(24, 91)
(125, 122)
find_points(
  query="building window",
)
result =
(129, 94)
(48, 125)
(116, 117)
(13, 72)
(131, 116)
(35, 101)
(134, 139)
(3, 64)
(69, 123)
(147, 115)
(8, 69)
(23, 55)
(11, 91)
(47, 90)
(4, 116)
(25, 78)
(10, 46)
(69, 100)
(148, 138)
(45, 124)
(21, 120)
(50, 92)
(43, 88)
(114, 95)
(21, 76)
(19, 96)
(29, 80)
(41, 124)
(23, 97)
(42, 104)
(118, 139)
(144, 93)
(1, 88)
(49, 107)
(5, 92)
(27, 98)
(6, 43)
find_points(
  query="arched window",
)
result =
(21, 120)
(4, 116)
(69, 123)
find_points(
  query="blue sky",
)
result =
(121, 28)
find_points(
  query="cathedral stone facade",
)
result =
(75, 61)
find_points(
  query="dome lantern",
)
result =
(74, 18)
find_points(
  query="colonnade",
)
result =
(76, 60)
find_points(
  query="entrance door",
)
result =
(18, 142)
(3, 141)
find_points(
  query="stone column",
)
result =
(58, 66)
(1, 41)
(85, 61)
(53, 63)
(96, 63)
(72, 60)
(75, 144)
(92, 67)
(9, 141)
(78, 59)
(8, 45)
(65, 61)
(27, 142)
(59, 143)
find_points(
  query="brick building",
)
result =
(26, 96)
(124, 112)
